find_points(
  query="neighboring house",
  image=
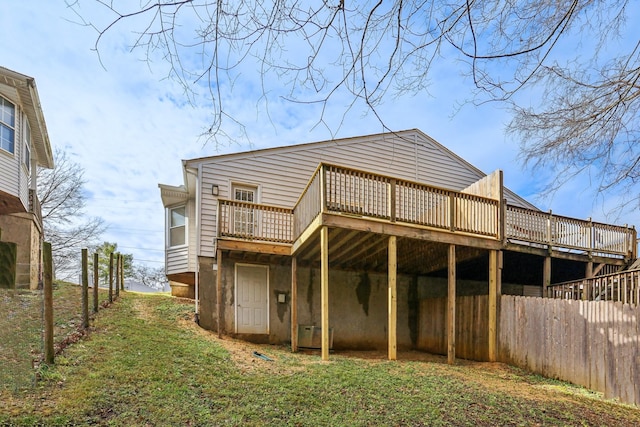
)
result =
(24, 146)
(349, 237)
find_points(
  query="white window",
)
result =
(244, 194)
(177, 226)
(7, 125)
(244, 217)
(27, 147)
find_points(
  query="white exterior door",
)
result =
(252, 283)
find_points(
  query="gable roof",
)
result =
(415, 137)
(25, 91)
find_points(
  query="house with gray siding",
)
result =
(345, 244)
(24, 147)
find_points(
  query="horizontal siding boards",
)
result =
(590, 343)
(282, 174)
(10, 171)
(177, 260)
(193, 237)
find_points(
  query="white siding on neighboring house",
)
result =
(282, 173)
(9, 176)
(24, 175)
(12, 176)
(177, 260)
(183, 258)
(192, 235)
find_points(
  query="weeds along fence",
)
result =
(595, 344)
(35, 324)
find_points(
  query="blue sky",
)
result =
(129, 127)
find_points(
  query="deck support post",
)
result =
(294, 304)
(393, 301)
(546, 276)
(324, 289)
(219, 291)
(494, 296)
(588, 274)
(451, 307)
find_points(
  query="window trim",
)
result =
(8, 126)
(245, 220)
(26, 158)
(170, 227)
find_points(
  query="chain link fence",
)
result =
(20, 337)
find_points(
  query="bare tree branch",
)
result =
(319, 51)
(65, 227)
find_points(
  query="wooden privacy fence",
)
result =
(590, 343)
(472, 326)
(623, 286)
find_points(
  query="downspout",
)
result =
(196, 316)
(198, 203)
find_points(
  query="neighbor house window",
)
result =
(27, 147)
(7, 125)
(177, 226)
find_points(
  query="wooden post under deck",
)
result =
(451, 307)
(393, 301)
(588, 274)
(546, 277)
(219, 291)
(294, 304)
(324, 289)
(494, 294)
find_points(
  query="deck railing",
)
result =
(525, 225)
(354, 192)
(623, 286)
(34, 205)
(308, 206)
(336, 189)
(252, 221)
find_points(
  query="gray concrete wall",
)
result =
(357, 303)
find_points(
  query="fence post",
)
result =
(118, 275)
(85, 289)
(47, 262)
(111, 277)
(122, 273)
(95, 282)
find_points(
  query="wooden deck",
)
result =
(349, 198)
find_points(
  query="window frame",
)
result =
(11, 127)
(171, 227)
(26, 158)
(245, 220)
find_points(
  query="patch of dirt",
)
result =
(143, 310)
